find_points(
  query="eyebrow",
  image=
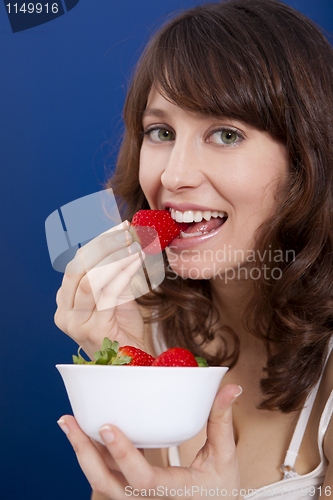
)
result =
(154, 112)
(160, 113)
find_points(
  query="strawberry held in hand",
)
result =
(155, 229)
(177, 356)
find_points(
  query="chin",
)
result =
(195, 271)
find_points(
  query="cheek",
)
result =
(257, 186)
(239, 177)
(152, 165)
(144, 182)
(147, 179)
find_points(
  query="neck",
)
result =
(231, 300)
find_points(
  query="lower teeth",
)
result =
(191, 235)
(198, 233)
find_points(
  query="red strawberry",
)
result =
(155, 229)
(137, 357)
(112, 354)
(176, 356)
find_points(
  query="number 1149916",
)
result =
(30, 8)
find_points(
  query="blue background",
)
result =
(62, 90)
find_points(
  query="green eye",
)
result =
(164, 135)
(229, 137)
(225, 137)
(160, 135)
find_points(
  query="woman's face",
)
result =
(220, 175)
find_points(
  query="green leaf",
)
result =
(201, 361)
(115, 346)
(79, 360)
(76, 360)
(111, 356)
(97, 355)
(103, 360)
(106, 344)
(123, 360)
(105, 356)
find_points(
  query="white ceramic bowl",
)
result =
(155, 407)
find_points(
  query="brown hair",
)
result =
(264, 63)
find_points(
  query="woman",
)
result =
(230, 111)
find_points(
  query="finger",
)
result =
(105, 454)
(92, 284)
(120, 290)
(103, 274)
(90, 320)
(91, 461)
(131, 462)
(220, 436)
(88, 256)
(105, 244)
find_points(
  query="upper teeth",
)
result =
(195, 216)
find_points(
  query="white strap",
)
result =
(173, 456)
(295, 443)
(296, 440)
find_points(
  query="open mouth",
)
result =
(199, 222)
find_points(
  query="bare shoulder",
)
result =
(328, 440)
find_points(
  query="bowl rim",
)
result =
(140, 367)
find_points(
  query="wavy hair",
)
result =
(266, 64)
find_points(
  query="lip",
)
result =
(183, 207)
(184, 243)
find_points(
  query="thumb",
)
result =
(220, 435)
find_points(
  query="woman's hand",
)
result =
(119, 470)
(95, 299)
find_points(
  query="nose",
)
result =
(183, 168)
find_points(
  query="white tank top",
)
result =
(292, 486)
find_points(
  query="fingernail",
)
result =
(63, 426)
(236, 395)
(126, 224)
(123, 236)
(134, 247)
(106, 434)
